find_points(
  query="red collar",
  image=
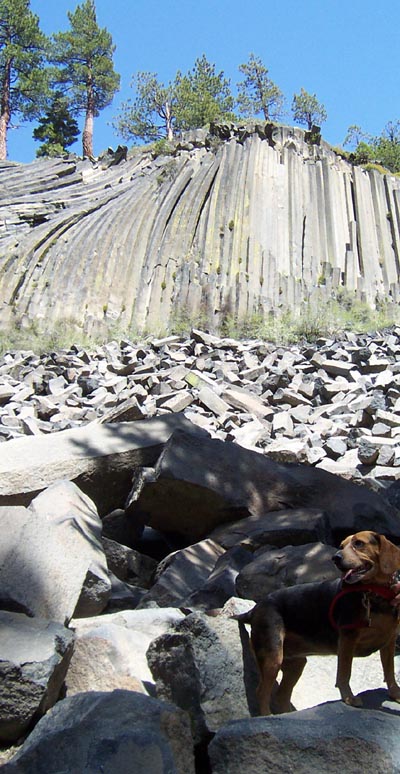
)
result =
(373, 588)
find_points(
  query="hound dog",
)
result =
(354, 616)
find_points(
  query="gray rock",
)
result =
(99, 458)
(51, 558)
(199, 667)
(278, 528)
(129, 565)
(182, 573)
(113, 732)
(329, 738)
(202, 483)
(279, 567)
(34, 658)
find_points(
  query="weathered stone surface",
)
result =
(328, 738)
(276, 568)
(187, 207)
(182, 573)
(199, 667)
(112, 732)
(123, 638)
(34, 658)
(51, 558)
(202, 483)
(90, 456)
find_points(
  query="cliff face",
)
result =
(241, 221)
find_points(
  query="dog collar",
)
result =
(372, 588)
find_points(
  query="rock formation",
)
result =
(237, 221)
(127, 546)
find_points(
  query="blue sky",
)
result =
(345, 51)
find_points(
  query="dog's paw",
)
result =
(353, 701)
(394, 694)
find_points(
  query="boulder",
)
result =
(329, 738)
(276, 568)
(112, 732)
(98, 458)
(34, 657)
(182, 573)
(201, 483)
(277, 528)
(199, 667)
(123, 639)
(51, 559)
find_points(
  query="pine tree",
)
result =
(150, 115)
(57, 128)
(257, 93)
(84, 58)
(307, 110)
(202, 96)
(22, 58)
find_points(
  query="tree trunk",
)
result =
(87, 137)
(5, 111)
(168, 122)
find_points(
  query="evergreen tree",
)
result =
(307, 110)
(84, 56)
(150, 115)
(189, 102)
(202, 96)
(57, 128)
(257, 93)
(22, 57)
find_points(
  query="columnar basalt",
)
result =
(237, 221)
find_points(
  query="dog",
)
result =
(353, 616)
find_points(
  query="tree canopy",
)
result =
(307, 110)
(57, 128)
(189, 102)
(257, 93)
(383, 149)
(150, 115)
(22, 59)
(83, 56)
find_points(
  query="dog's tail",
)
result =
(244, 618)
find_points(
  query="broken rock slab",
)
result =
(330, 738)
(113, 732)
(201, 483)
(99, 458)
(277, 568)
(278, 528)
(34, 658)
(199, 667)
(51, 559)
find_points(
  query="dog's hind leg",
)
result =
(267, 638)
(292, 669)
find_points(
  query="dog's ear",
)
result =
(389, 556)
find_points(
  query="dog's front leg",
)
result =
(387, 660)
(346, 645)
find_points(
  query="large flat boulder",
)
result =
(329, 738)
(99, 458)
(201, 483)
(115, 732)
(34, 658)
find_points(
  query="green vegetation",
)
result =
(22, 59)
(57, 128)
(189, 102)
(381, 153)
(307, 111)
(257, 93)
(83, 58)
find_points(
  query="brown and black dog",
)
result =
(349, 617)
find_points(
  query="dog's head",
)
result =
(367, 557)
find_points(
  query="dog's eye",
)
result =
(358, 544)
